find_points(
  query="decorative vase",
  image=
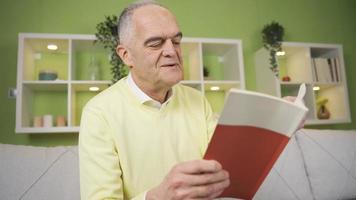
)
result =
(93, 71)
(323, 112)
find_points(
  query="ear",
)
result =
(124, 54)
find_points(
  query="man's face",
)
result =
(154, 48)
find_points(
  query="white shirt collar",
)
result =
(143, 97)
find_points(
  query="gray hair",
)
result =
(124, 27)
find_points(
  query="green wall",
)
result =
(321, 21)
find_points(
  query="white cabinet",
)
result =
(320, 66)
(65, 96)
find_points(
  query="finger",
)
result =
(289, 98)
(198, 166)
(208, 191)
(206, 178)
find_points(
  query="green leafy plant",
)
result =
(107, 35)
(272, 36)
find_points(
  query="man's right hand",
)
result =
(198, 179)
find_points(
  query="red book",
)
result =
(252, 131)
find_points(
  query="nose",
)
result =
(168, 48)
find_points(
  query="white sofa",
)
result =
(316, 165)
(38, 173)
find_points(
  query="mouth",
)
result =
(170, 65)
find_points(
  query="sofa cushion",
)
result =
(39, 172)
(287, 179)
(330, 159)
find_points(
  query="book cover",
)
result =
(252, 131)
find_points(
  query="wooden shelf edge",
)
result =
(36, 130)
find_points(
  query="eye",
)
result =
(155, 43)
(176, 41)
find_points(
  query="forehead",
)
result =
(153, 20)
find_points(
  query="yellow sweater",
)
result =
(126, 147)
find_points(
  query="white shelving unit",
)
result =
(67, 95)
(320, 66)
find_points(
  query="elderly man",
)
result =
(145, 136)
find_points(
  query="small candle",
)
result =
(37, 121)
(61, 121)
(47, 120)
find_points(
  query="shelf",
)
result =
(68, 94)
(85, 85)
(292, 82)
(48, 130)
(223, 85)
(46, 85)
(320, 66)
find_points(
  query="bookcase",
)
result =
(39, 94)
(321, 67)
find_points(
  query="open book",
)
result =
(252, 131)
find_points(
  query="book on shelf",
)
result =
(251, 133)
(326, 70)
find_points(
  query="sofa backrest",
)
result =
(287, 179)
(316, 164)
(39, 173)
(330, 162)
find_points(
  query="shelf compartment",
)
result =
(221, 60)
(295, 64)
(191, 55)
(326, 65)
(216, 91)
(336, 102)
(80, 95)
(37, 58)
(84, 53)
(292, 90)
(43, 99)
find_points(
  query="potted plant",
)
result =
(272, 36)
(107, 35)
